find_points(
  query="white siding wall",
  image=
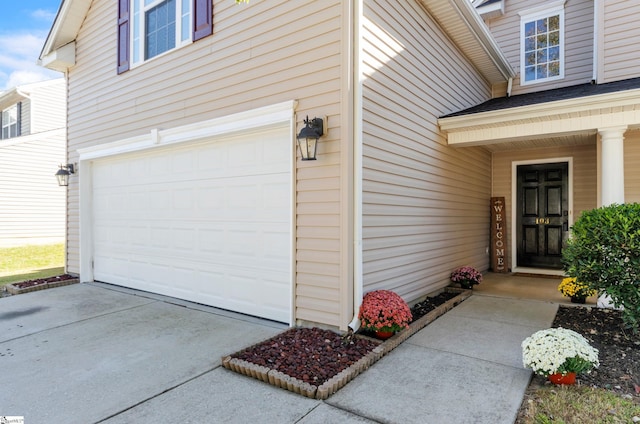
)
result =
(425, 205)
(32, 206)
(48, 106)
(578, 42)
(621, 55)
(261, 53)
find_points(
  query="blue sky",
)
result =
(24, 25)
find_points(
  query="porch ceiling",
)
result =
(565, 122)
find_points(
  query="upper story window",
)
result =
(159, 26)
(148, 28)
(542, 45)
(11, 122)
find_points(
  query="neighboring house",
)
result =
(183, 116)
(32, 145)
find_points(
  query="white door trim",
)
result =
(514, 209)
(248, 121)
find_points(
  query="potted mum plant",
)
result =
(466, 276)
(559, 354)
(384, 312)
(577, 291)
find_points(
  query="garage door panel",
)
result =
(210, 223)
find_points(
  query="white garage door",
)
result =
(210, 222)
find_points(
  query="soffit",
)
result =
(466, 29)
(66, 25)
(10, 98)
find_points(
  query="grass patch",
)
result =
(577, 404)
(31, 262)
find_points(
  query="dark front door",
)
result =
(543, 214)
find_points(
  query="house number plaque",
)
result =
(498, 235)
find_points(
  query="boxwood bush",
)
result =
(604, 252)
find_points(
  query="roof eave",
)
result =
(63, 33)
(484, 37)
(466, 28)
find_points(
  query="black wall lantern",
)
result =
(63, 174)
(308, 137)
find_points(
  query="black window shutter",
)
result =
(19, 119)
(202, 19)
(1, 132)
(123, 35)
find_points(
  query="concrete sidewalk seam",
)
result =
(158, 394)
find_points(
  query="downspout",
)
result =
(354, 325)
(509, 86)
(594, 76)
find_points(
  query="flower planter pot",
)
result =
(567, 379)
(384, 335)
(578, 299)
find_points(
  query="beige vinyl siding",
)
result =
(48, 106)
(260, 53)
(584, 177)
(32, 205)
(621, 55)
(631, 166)
(425, 205)
(578, 44)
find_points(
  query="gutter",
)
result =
(483, 36)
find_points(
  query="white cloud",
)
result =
(43, 15)
(18, 55)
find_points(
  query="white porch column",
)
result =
(612, 164)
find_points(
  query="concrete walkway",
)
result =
(88, 353)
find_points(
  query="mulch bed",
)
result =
(316, 362)
(41, 284)
(619, 353)
(619, 348)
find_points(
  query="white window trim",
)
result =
(550, 9)
(7, 125)
(141, 32)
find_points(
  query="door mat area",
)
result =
(322, 391)
(533, 275)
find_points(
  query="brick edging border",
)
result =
(335, 383)
(20, 290)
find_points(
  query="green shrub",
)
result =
(604, 251)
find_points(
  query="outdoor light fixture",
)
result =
(63, 174)
(308, 137)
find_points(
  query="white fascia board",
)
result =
(484, 37)
(578, 104)
(561, 118)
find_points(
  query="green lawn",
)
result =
(31, 262)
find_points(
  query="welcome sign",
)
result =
(498, 235)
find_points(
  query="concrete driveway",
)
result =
(90, 353)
